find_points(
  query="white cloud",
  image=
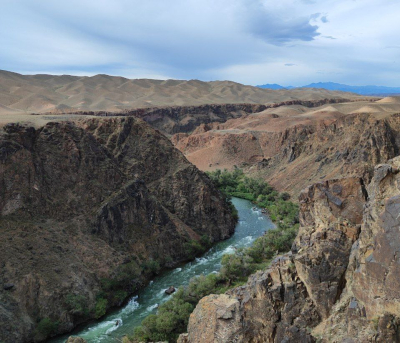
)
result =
(247, 41)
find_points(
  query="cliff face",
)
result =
(176, 119)
(369, 309)
(297, 148)
(90, 201)
(184, 119)
(338, 284)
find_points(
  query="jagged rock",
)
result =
(78, 200)
(261, 311)
(369, 309)
(183, 338)
(182, 119)
(215, 319)
(339, 284)
(330, 218)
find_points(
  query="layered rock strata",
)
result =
(184, 119)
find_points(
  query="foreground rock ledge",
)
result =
(340, 282)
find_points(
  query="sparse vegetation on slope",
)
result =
(173, 316)
(281, 211)
(132, 207)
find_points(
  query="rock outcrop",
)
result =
(89, 207)
(295, 150)
(178, 119)
(75, 340)
(369, 309)
(340, 282)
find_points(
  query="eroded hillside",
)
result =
(294, 146)
(89, 211)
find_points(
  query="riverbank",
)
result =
(282, 211)
(172, 318)
(251, 225)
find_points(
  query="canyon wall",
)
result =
(89, 210)
(293, 151)
(338, 284)
(184, 119)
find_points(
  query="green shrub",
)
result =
(201, 286)
(151, 266)
(46, 327)
(117, 287)
(236, 266)
(171, 320)
(100, 308)
(274, 241)
(108, 285)
(120, 295)
(77, 304)
(205, 242)
(195, 248)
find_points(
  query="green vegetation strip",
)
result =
(173, 316)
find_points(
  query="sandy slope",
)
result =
(49, 93)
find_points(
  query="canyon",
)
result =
(102, 186)
(90, 211)
(294, 146)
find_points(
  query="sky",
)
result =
(289, 42)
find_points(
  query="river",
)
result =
(252, 224)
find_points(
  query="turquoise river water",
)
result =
(252, 224)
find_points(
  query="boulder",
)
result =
(170, 290)
(73, 339)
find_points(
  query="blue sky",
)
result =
(290, 42)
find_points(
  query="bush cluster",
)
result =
(101, 307)
(46, 327)
(77, 305)
(280, 209)
(195, 248)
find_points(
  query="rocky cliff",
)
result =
(295, 147)
(340, 282)
(184, 119)
(89, 211)
(176, 119)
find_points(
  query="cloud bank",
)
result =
(249, 41)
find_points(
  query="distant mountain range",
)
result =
(363, 90)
